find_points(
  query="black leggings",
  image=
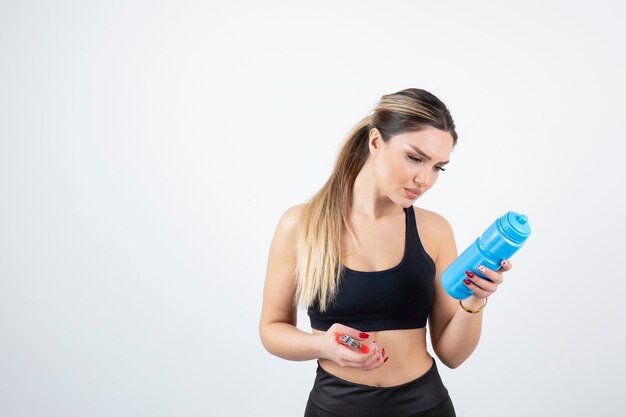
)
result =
(425, 396)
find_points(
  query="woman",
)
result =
(365, 262)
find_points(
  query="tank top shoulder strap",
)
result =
(414, 243)
(412, 236)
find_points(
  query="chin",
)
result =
(405, 202)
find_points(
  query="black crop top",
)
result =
(396, 298)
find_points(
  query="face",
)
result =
(410, 163)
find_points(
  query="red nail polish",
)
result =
(363, 335)
(383, 352)
(503, 263)
(386, 359)
(466, 281)
(469, 274)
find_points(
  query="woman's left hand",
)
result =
(483, 288)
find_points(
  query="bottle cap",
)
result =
(515, 226)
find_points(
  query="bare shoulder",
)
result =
(434, 230)
(285, 236)
(290, 219)
(280, 278)
(429, 220)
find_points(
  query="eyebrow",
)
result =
(424, 154)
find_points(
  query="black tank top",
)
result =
(396, 298)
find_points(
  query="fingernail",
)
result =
(386, 359)
(503, 263)
(466, 281)
(469, 274)
(481, 268)
(363, 335)
(383, 352)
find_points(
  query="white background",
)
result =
(148, 149)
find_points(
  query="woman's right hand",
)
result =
(343, 355)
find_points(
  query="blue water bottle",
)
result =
(500, 241)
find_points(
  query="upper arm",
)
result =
(280, 277)
(444, 306)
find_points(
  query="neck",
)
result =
(367, 198)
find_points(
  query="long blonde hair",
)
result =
(326, 214)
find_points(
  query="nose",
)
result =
(423, 178)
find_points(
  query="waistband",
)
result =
(346, 398)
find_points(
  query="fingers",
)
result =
(372, 360)
(345, 356)
(495, 277)
(484, 287)
(506, 265)
(348, 357)
(353, 333)
(351, 358)
(478, 285)
(378, 357)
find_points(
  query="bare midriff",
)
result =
(408, 359)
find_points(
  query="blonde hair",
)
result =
(326, 214)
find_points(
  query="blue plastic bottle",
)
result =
(500, 241)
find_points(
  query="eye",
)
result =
(418, 159)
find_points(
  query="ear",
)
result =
(375, 141)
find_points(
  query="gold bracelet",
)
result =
(472, 311)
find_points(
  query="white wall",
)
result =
(148, 149)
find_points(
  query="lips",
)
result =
(412, 192)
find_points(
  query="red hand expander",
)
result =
(346, 340)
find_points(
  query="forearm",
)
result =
(288, 342)
(461, 335)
